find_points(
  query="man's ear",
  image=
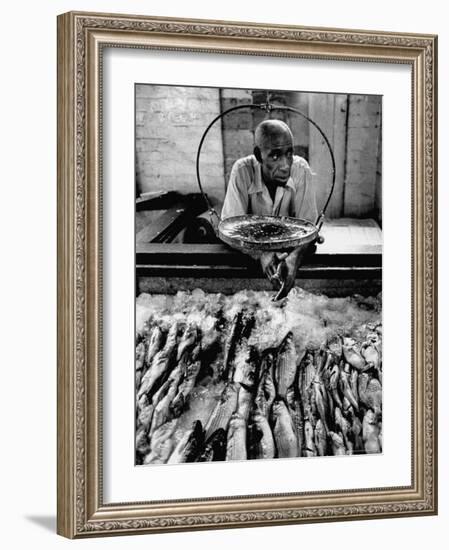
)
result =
(257, 154)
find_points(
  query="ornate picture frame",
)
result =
(82, 38)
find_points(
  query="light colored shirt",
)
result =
(248, 194)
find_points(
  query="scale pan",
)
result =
(265, 233)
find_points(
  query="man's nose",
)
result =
(284, 164)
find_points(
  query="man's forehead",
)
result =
(277, 141)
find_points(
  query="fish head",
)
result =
(196, 352)
(286, 341)
(278, 407)
(348, 409)
(308, 429)
(337, 439)
(370, 417)
(335, 373)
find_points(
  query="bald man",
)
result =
(273, 181)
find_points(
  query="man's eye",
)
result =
(274, 157)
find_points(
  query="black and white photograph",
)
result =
(258, 275)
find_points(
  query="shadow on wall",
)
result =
(46, 522)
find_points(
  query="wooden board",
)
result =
(362, 156)
(330, 113)
(323, 285)
(351, 236)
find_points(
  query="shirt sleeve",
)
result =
(236, 200)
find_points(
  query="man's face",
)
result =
(276, 158)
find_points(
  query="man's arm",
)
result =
(236, 199)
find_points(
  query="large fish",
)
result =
(173, 378)
(309, 406)
(160, 393)
(163, 433)
(353, 382)
(161, 364)
(266, 390)
(321, 400)
(370, 391)
(188, 340)
(309, 439)
(285, 371)
(331, 403)
(162, 412)
(345, 429)
(140, 355)
(338, 446)
(241, 328)
(142, 443)
(370, 433)
(248, 323)
(334, 383)
(223, 410)
(261, 437)
(189, 446)
(347, 409)
(140, 362)
(160, 454)
(190, 373)
(310, 369)
(162, 444)
(357, 435)
(236, 443)
(154, 345)
(306, 374)
(371, 355)
(352, 355)
(245, 365)
(334, 344)
(294, 408)
(244, 402)
(320, 438)
(283, 430)
(345, 386)
(215, 447)
(231, 343)
(145, 414)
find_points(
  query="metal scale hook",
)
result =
(269, 108)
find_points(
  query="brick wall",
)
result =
(170, 121)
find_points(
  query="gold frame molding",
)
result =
(81, 37)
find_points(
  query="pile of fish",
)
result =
(221, 396)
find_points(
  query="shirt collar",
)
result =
(257, 185)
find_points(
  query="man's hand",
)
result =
(289, 266)
(281, 269)
(269, 264)
(290, 262)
